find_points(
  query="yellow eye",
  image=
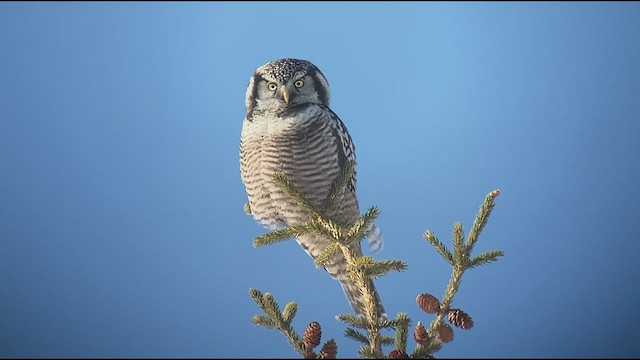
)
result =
(298, 83)
(272, 86)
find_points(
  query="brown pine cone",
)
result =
(420, 335)
(428, 303)
(310, 355)
(445, 333)
(312, 335)
(329, 350)
(460, 319)
(398, 354)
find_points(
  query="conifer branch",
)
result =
(439, 246)
(458, 241)
(326, 255)
(376, 269)
(400, 320)
(481, 218)
(402, 331)
(365, 351)
(277, 320)
(452, 289)
(279, 235)
(362, 269)
(353, 320)
(425, 351)
(485, 258)
(396, 265)
(339, 184)
(363, 263)
(356, 335)
(297, 195)
(271, 308)
(460, 262)
(289, 312)
(327, 228)
(387, 340)
(358, 230)
(368, 299)
(263, 320)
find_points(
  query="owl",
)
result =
(290, 128)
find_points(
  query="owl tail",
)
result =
(353, 294)
(374, 238)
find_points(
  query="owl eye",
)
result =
(272, 86)
(298, 83)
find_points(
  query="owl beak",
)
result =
(285, 94)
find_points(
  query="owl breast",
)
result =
(302, 145)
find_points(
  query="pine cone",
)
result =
(428, 303)
(420, 335)
(310, 355)
(329, 350)
(460, 319)
(398, 354)
(445, 333)
(312, 335)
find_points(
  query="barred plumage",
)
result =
(290, 128)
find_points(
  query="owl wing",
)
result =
(346, 153)
(346, 147)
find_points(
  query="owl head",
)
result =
(286, 83)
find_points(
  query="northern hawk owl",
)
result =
(290, 128)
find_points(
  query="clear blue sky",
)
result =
(122, 231)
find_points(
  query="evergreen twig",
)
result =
(358, 230)
(387, 340)
(439, 246)
(485, 258)
(326, 255)
(356, 335)
(339, 184)
(296, 194)
(402, 331)
(460, 261)
(353, 320)
(279, 235)
(481, 219)
(275, 319)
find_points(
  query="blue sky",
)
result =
(122, 231)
